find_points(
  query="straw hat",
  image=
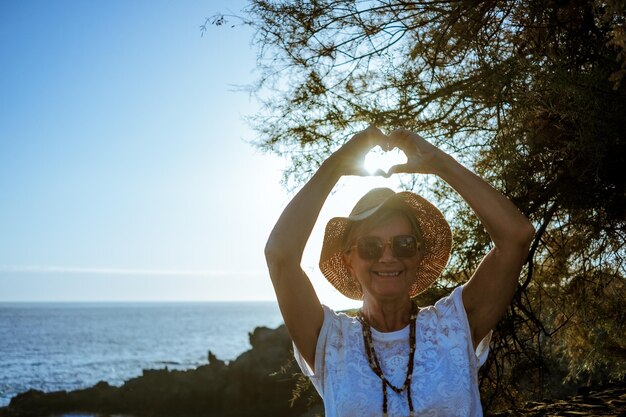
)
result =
(436, 237)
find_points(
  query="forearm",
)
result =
(294, 226)
(299, 305)
(490, 289)
(505, 224)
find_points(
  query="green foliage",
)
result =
(531, 95)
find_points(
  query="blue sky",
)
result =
(125, 172)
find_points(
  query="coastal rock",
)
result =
(259, 382)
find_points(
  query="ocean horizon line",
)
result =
(233, 301)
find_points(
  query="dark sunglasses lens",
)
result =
(369, 247)
(404, 246)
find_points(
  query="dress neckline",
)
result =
(403, 333)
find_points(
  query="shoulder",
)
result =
(445, 319)
(335, 333)
(339, 332)
(339, 320)
(449, 305)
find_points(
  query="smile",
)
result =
(387, 274)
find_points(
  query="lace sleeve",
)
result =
(317, 376)
(482, 350)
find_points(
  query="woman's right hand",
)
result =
(351, 156)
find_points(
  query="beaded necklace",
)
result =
(372, 358)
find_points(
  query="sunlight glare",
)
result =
(379, 159)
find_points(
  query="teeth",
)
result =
(388, 274)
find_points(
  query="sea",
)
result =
(68, 346)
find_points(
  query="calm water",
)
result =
(65, 346)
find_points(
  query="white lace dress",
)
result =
(444, 382)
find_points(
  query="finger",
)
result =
(402, 139)
(382, 140)
(386, 144)
(400, 134)
(376, 136)
(403, 132)
(398, 169)
(386, 174)
(406, 136)
(380, 173)
(361, 172)
(368, 138)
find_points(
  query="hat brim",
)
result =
(436, 236)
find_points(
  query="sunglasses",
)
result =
(372, 247)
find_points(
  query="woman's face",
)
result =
(389, 276)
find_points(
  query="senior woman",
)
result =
(394, 359)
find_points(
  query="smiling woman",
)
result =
(381, 265)
(392, 357)
(381, 212)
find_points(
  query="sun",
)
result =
(378, 159)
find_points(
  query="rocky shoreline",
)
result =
(260, 382)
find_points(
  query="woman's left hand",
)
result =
(422, 156)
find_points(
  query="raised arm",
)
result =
(297, 300)
(490, 289)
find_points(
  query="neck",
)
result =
(387, 316)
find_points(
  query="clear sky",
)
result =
(125, 172)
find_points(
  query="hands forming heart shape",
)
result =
(378, 160)
(371, 152)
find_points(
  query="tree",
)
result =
(529, 93)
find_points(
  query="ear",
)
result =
(347, 261)
(346, 258)
(421, 252)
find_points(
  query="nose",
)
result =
(387, 254)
